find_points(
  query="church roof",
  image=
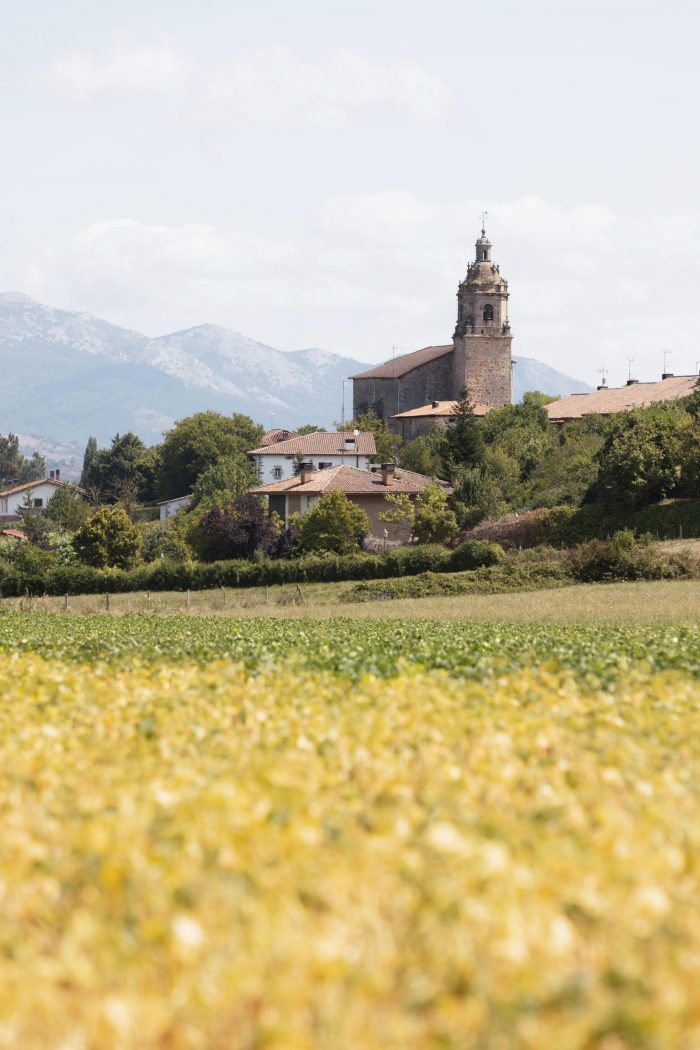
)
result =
(620, 399)
(400, 366)
(438, 409)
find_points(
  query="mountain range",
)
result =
(67, 375)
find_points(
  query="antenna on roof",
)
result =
(603, 372)
(629, 367)
(666, 374)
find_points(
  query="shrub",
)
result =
(236, 530)
(335, 524)
(107, 539)
(625, 558)
(474, 554)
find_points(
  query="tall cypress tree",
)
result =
(88, 459)
(464, 442)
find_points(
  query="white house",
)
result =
(37, 493)
(277, 461)
(168, 507)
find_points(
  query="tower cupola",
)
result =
(483, 248)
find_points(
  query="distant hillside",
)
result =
(67, 375)
(530, 374)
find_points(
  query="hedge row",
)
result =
(665, 521)
(321, 568)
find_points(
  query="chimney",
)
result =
(57, 474)
(631, 382)
(305, 472)
(603, 386)
(436, 404)
(388, 473)
(52, 475)
(667, 375)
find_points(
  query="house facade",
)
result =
(279, 461)
(367, 489)
(35, 494)
(168, 507)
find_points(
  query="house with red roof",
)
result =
(33, 495)
(279, 460)
(368, 489)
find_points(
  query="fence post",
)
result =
(106, 602)
(223, 591)
(65, 603)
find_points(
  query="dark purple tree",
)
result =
(237, 530)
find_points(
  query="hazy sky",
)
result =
(312, 173)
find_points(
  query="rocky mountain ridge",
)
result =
(66, 375)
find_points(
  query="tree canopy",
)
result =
(200, 441)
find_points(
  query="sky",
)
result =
(313, 174)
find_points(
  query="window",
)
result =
(38, 503)
(488, 313)
(277, 473)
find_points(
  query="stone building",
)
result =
(479, 356)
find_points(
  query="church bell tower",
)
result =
(482, 338)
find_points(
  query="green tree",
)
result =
(335, 524)
(464, 442)
(88, 459)
(434, 521)
(66, 509)
(425, 454)
(220, 482)
(107, 539)
(198, 442)
(401, 513)
(310, 428)
(14, 466)
(641, 459)
(125, 470)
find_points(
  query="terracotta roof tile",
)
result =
(399, 366)
(439, 408)
(272, 437)
(330, 443)
(619, 399)
(352, 481)
(42, 481)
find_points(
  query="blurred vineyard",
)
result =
(222, 834)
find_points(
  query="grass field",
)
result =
(662, 600)
(299, 833)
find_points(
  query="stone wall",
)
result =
(484, 362)
(386, 397)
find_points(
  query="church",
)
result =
(479, 356)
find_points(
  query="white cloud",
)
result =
(372, 270)
(272, 88)
(127, 69)
(275, 88)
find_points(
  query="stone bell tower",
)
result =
(482, 338)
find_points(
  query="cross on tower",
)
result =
(483, 221)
